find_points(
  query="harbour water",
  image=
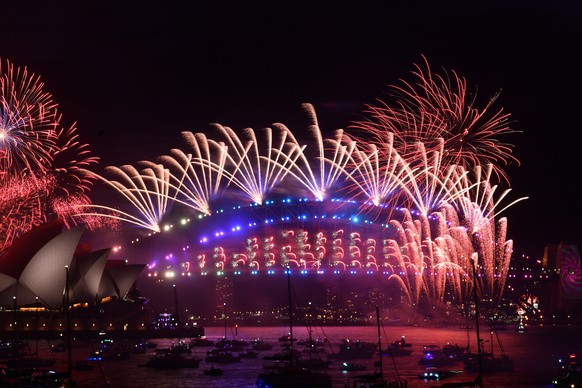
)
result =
(534, 354)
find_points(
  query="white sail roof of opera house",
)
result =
(118, 279)
(48, 268)
(86, 273)
(34, 270)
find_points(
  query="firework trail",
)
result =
(440, 107)
(148, 191)
(415, 155)
(296, 161)
(424, 186)
(255, 173)
(198, 177)
(478, 205)
(377, 176)
(71, 159)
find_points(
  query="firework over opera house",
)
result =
(411, 191)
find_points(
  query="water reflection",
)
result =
(534, 356)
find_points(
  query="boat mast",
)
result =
(176, 306)
(379, 341)
(225, 323)
(290, 315)
(479, 355)
(68, 323)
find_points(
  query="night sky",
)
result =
(134, 74)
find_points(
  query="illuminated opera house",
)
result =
(100, 296)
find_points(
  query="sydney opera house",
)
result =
(50, 284)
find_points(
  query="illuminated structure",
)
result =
(420, 172)
(410, 192)
(34, 274)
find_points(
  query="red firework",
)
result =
(41, 166)
(28, 122)
(70, 160)
(440, 107)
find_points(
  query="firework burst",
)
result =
(440, 107)
(40, 162)
(296, 159)
(22, 202)
(375, 174)
(422, 155)
(148, 191)
(71, 159)
(198, 177)
(254, 172)
(28, 122)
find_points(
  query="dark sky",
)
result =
(134, 74)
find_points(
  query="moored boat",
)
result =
(248, 354)
(181, 347)
(110, 350)
(351, 366)
(201, 342)
(372, 380)
(233, 345)
(259, 344)
(212, 371)
(454, 351)
(291, 376)
(489, 363)
(172, 361)
(397, 348)
(350, 350)
(434, 373)
(287, 374)
(223, 357)
(436, 358)
(83, 365)
(313, 363)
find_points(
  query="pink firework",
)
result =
(70, 209)
(441, 107)
(41, 163)
(148, 191)
(28, 122)
(256, 165)
(22, 205)
(327, 163)
(200, 175)
(70, 160)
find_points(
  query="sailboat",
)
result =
(314, 359)
(489, 363)
(481, 362)
(376, 379)
(288, 374)
(486, 362)
(224, 348)
(230, 345)
(176, 356)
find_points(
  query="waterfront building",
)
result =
(50, 284)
